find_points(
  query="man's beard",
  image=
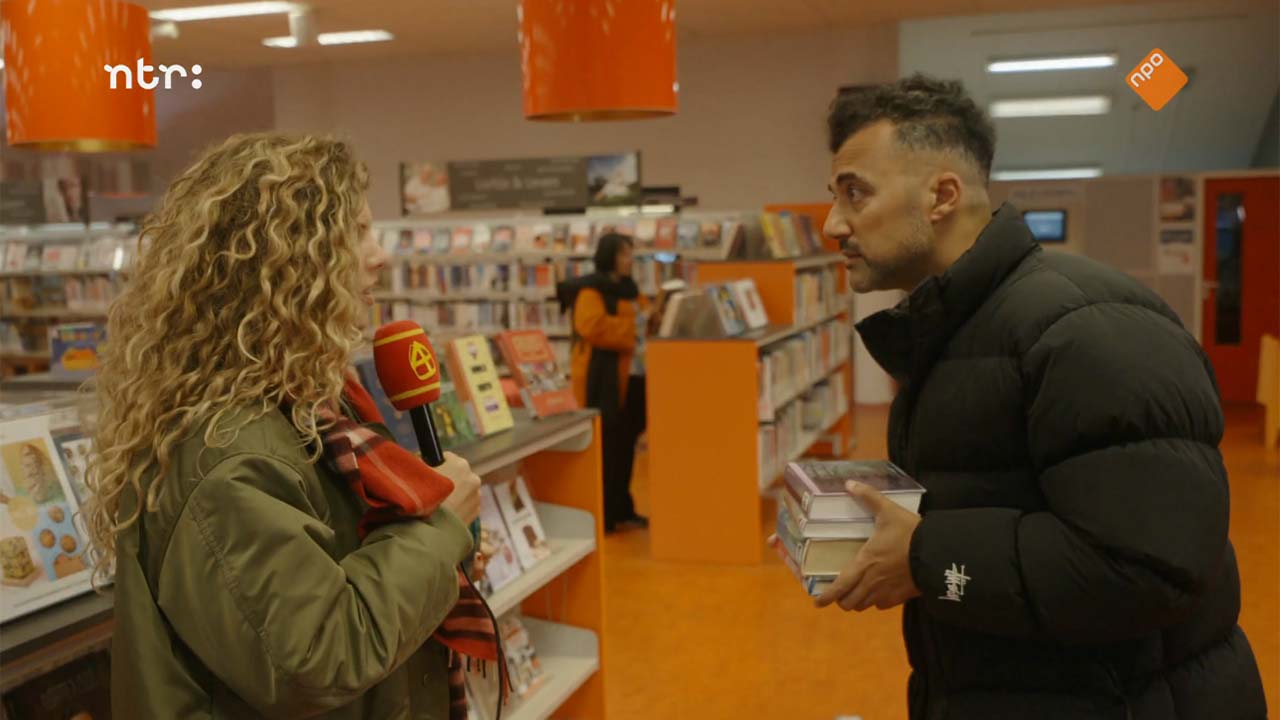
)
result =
(901, 270)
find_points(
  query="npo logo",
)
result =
(1157, 79)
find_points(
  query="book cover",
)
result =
(819, 486)
(481, 237)
(580, 236)
(731, 319)
(560, 237)
(43, 553)
(525, 238)
(422, 242)
(441, 240)
(524, 669)
(688, 235)
(460, 241)
(74, 347)
(15, 256)
(532, 361)
(646, 230)
(500, 564)
(399, 424)
(477, 383)
(483, 690)
(504, 237)
(522, 522)
(453, 423)
(751, 304)
(665, 234)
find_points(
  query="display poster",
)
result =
(554, 183)
(51, 200)
(43, 541)
(1177, 199)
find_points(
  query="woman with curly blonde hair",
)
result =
(239, 490)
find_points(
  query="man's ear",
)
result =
(948, 192)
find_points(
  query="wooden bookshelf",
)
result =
(706, 503)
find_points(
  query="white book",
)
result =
(749, 302)
(522, 522)
(501, 564)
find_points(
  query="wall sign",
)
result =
(533, 183)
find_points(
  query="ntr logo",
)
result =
(422, 361)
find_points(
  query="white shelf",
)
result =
(53, 313)
(785, 333)
(431, 296)
(806, 387)
(74, 272)
(807, 440)
(540, 256)
(571, 534)
(569, 657)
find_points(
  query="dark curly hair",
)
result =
(929, 114)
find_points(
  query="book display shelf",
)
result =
(706, 400)
(55, 274)
(561, 598)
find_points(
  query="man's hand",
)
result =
(880, 574)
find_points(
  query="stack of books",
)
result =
(821, 526)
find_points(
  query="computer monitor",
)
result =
(1048, 226)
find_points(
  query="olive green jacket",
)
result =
(248, 593)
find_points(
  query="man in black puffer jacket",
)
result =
(1071, 556)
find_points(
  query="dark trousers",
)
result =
(619, 448)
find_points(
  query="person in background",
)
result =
(275, 554)
(610, 322)
(1070, 559)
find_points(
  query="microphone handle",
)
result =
(429, 447)
(428, 441)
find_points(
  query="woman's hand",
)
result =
(464, 501)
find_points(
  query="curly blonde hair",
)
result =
(244, 293)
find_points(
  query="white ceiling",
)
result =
(477, 26)
(1230, 48)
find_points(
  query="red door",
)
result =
(1241, 278)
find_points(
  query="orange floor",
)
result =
(706, 642)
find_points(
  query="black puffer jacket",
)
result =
(1073, 556)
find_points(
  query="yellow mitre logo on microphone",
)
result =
(422, 361)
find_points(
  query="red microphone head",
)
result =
(406, 364)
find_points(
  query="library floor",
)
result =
(708, 642)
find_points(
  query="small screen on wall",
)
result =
(1048, 226)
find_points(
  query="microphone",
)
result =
(409, 374)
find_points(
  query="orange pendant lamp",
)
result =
(598, 59)
(58, 94)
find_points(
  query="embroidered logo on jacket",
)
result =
(955, 580)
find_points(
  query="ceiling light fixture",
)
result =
(219, 12)
(334, 38)
(1067, 173)
(1051, 106)
(1041, 64)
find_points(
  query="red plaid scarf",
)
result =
(396, 484)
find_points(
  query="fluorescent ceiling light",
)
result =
(1051, 106)
(217, 12)
(1073, 62)
(1069, 173)
(335, 38)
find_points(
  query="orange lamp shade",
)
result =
(598, 59)
(58, 92)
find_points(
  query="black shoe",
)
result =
(636, 521)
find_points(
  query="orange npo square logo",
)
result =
(1157, 79)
